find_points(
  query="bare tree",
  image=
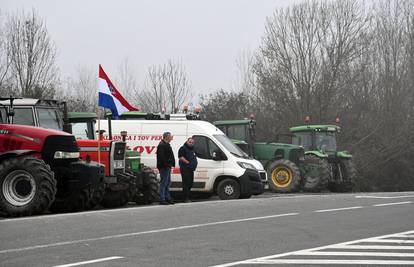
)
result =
(127, 83)
(32, 55)
(177, 85)
(153, 97)
(4, 59)
(167, 87)
(81, 92)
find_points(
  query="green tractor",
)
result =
(288, 168)
(319, 142)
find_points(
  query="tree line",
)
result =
(327, 59)
(28, 68)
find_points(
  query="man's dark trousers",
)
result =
(188, 179)
(165, 174)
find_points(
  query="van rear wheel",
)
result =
(228, 189)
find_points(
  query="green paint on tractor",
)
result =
(284, 163)
(320, 141)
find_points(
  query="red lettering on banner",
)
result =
(156, 137)
(149, 149)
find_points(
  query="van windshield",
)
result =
(232, 148)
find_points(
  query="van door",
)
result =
(207, 169)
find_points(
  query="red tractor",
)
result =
(118, 186)
(41, 168)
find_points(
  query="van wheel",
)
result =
(228, 189)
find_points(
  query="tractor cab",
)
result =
(34, 112)
(83, 124)
(241, 132)
(320, 138)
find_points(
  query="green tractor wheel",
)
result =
(349, 173)
(284, 176)
(316, 174)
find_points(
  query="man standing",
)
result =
(165, 161)
(188, 164)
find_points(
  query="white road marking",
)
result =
(386, 197)
(348, 244)
(330, 262)
(354, 253)
(145, 232)
(374, 247)
(390, 204)
(339, 209)
(89, 262)
(154, 206)
(400, 241)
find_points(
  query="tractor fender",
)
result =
(19, 152)
(343, 154)
(316, 153)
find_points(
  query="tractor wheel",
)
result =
(228, 189)
(28, 186)
(284, 176)
(74, 201)
(150, 191)
(317, 174)
(114, 198)
(97, 196)
(349, 174)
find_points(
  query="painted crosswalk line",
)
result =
(386, 250)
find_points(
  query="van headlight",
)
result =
(66, 155)
(246, 165)
(119, 164)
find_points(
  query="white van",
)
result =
(223, 168)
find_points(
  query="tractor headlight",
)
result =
(246, 165)
(119, 164)
(66, 155)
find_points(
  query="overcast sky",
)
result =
(207, 36)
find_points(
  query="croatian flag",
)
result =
(110, 98)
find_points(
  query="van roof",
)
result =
(194, 126)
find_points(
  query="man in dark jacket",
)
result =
(188, 164)
(165, 161)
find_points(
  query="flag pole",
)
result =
(98, 113)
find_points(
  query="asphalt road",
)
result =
(280, 230)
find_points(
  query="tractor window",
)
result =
(23, 116)
(238, 132)
(3, 115)
(303, 139)
(49, 118)
(83, 130)
(325, 141)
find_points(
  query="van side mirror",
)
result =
(219, 155)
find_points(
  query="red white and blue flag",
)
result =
(110, 98)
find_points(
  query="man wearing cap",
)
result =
(165, 161)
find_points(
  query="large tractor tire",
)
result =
(149, 193)
(284, 176)
(349, 174)
(27, 187)
(73, 201)
(317, 174)
(228, 189)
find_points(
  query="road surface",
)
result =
(272, 229)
